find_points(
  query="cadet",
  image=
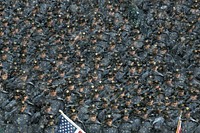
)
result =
(188, 123)
(51, 126)
(108, 126)
(74, 117)
(125, 125)
(68, 101)
(22, 119)
(92, 125)
(55, 101)
(82, 108)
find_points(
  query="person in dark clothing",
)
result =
(126, 125)
(108, 126)
(76, 120)
(142, 55)
(92, 125)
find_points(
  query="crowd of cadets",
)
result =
(111, 66)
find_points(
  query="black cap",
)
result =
(104, 100)
(114, 103)
(17, 92)
(125, 112)
(168, 76)
(51, 117)
(180, 87)
(192, 91)
(109, 116)
(81, 97)
(189, 72)
(177, 70)
(22, 104)
(70, 82)
(95, 91)
(24, 73)
(4, 71)
(119, 89)
(47, 104)
(92, 107)
(52, 88)
(73, 111)
(92, 113)
(128, 97)
(67, 93)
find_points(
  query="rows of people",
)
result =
(126, 66)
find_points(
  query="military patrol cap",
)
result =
(92, 113)
(22, 104)
(168, 76)
(70, 81)
(92, 107)
(135, 77)
(97, 55)
(156, 82)
(4, 71)
(40, 72)
(125, 112)
(17, 92)
(23, 73)
(163, 47)
(139, 64)
(196, 50)
(4, 20)
(47, 104)
(23, 93)
(177, 70)
(192, 91)
(100, 83)
(187, 109)
(51, 120)
(67, 93)
(80, 84)
(180, 87)
(95, 91)
(128, 97)
(53, 63)
(23, 55)
(3, 52)
(65, 53)
(109, 116)
(189, 72)
(104, 100)
(52, 88)
(114, 102)
(35, 63)
(50, 117)
(81, 97)
(73, 111)
(119, 89)
(61, 70)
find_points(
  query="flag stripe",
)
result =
(179, 127)
(178, 130)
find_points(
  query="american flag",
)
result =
(66, 125)
(178, 130)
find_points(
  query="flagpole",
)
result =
(71, 121)
(178, 130)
